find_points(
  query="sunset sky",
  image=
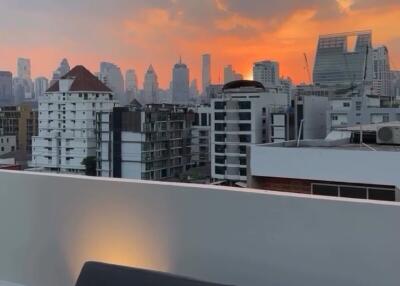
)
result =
(134, 34)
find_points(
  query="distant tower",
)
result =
(41, 85)
(62, 70)
(180, 83)
(206, 72)
(131, 85)
(24, 68)
(231, 75)
(267, 72)
(150, 86)
(382, 76)
(6, 92)
(111, 75)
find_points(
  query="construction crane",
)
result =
(308, 68)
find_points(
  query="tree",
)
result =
(90, 165)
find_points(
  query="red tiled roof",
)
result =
(84, 80)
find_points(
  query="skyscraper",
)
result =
(6, 92)
(180, 83)
(340, 61)
(131, 82)
(231, 75)
(22, 84)
(24, 68)
(41, 86)
(62, 70)
(111, 75)
(150, 87)
(382, 74)
(206, 72)
(131, 86)
(267, 72)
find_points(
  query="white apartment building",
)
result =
(246, 114)
(67, 121)
(356, 110)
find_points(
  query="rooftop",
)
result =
(83, 80)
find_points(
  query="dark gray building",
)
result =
(6, 92)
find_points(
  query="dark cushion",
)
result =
(101, 274)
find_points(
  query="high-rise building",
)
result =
(231, 75)
(194, 90)
(131, 81)
(267, 72)
(22, 84)
(344, 59)
(180, 83)
(111, 76)
(395, 84)
(246, 114)
(150, 87)
(131, 86)
(6, 90)
(41, 85)
(150, 142)
(382, 74)
(67, 121)
(206, 72)
(24, 68)
(62, 70)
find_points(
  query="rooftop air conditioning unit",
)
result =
(389, 135)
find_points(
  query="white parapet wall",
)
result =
(50, 225)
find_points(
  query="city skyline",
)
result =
(130, 36)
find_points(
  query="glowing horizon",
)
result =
(134, 35)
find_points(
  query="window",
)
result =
(346, 104)
(220, 160)
(245, 116)
(219, 105)
(220, 170)
(353, 192)
(220, 148)
(220, 116)
(382, 195)
(220, 137)
(358, 105)
(244, 105)
(325, 190)
(244, 127)
(196, 120)
(204, 119)
(219, 126)
(243, 172)
(245, 138)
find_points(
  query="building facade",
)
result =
(339, 61)
(111, 76)
(67, 121)
(151, 142)
(231, 75)
(267, 72)
(41, 85)
(201, 136)
(382, 74)
(180, 84)
(243, 116)
(21, 122)
(8, 143)
(150, 87)
(206, 72)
